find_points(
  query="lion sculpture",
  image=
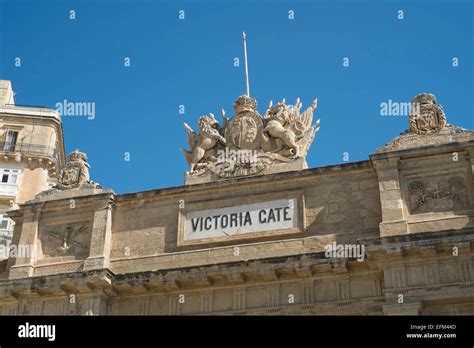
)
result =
(199, 144)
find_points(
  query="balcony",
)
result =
(31, 150)
(8, 190)
(34, 150)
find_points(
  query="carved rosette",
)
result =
(248, 142)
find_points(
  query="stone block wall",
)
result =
(120, 254)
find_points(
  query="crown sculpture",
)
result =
(249, 143)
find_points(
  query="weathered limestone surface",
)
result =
(412, 208)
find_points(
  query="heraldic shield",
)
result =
(244, 131)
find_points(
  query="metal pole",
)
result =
(246, 64)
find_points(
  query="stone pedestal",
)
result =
(297, 164)
(70, 227)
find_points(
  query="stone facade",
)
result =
(411, 208)
(31, 154)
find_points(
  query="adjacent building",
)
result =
(31, 154)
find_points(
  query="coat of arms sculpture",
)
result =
(75, 173)
(427, 126)
(249, 143)
(426, 115)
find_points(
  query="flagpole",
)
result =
(246, 64)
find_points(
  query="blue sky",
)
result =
(190, 62)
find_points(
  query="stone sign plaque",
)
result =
(233, 222)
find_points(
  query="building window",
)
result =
(9, 176)
(6, 231)
(5, 222)
(9, 180)
(10, 141)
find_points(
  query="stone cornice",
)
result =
(424, 150)
(81, 203)
(25, 111)
(253, 180)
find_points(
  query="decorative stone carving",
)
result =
(248, 143)
(73, 180)
(76, 172)
(426, 116)
(66, 240)
(201, 143)
(437, 194)
(427, 126)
